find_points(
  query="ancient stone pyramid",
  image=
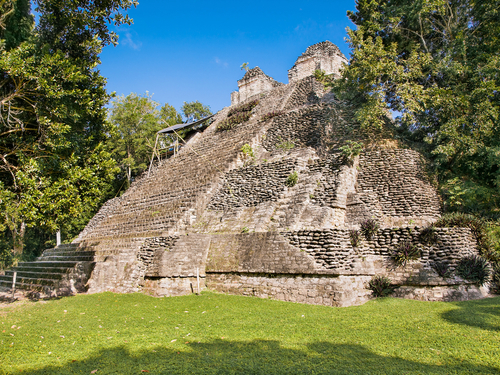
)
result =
(266, 207)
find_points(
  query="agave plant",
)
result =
(381, 286)
(369, 227)
(473, 268)
(428, 235)
(405, 252)
(442, 269)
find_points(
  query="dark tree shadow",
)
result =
(483, 313)
(255, 357)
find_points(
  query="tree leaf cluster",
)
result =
(434, 64)
(136, 119)
(54, 169)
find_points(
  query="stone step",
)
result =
(67, 252)
(56, 258)
(27, 286)
(66, 246)
(78, 250)
(46, 269)
(42, 274)
(30, 281)
(43, 264)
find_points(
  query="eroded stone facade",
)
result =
(234, 222)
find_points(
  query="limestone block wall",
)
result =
(265, 252)
(324, 56)
(308, 91)
(331, 249)
(326, 290)
(321, 266)
(116, 267)
(253, 83)
(392, 187)
(232, 220)
(327, 192)
(302, 128)
(252, 185)
(151, 253)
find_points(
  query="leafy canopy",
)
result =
(435, 63)
(136, 120)
(54, 170)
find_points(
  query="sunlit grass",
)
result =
(218, 334)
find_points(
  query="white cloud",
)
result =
(220, 62)
(128, 41)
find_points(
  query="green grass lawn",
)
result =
(221, 334)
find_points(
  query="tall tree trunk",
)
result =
(18, 237)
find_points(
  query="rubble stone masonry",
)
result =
(219, 218)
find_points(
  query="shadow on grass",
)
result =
(484, 313)
(255, 357)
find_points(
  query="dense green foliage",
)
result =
(381, 286)
(474, 268)
(219, 334)
(404, 252)
(194, 111)
(479, 229)
(16, 23)
(436, 64)
(54, 171)
(136, 120)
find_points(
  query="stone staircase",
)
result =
(65, 269)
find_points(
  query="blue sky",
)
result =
(193, 50)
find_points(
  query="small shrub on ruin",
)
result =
(442, 269)
(285, 145)
(292, 179)
(247, 107)
(232, 121)
(354, 237)
(404, 252)
(237, 115)
(381, 286)
(244, 230)
(270, 115)
(428, 235)
(247, 150)
(369, 227)
(473, 268)
(351, 149)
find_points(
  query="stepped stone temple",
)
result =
(267, 207)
